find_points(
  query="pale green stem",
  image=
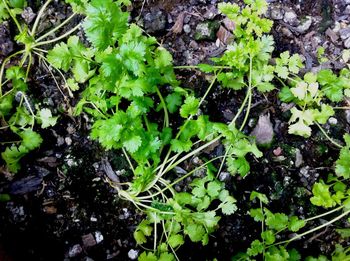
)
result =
(37, 20)
(324, 214)
(48, 69)
(184, 125)
(167, 239)
(12, 16)
(56, 28)
(327, 136)
(181, 178)
(128, 160)
(58, 38)
(3, 67)
(250, 94)
(314, 229)
(191, 154)
(166, 115)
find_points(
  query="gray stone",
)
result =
(291, 18)
(224, 176)
(187, 28)
(344, 33)
(28, 15)
(88, 240)
(347, 43)
(263, 131)
(133, 254)
(298, 158)
(193, 45)
(347, 116)
(75, 250)
(276, 13)
(305, 25)
(206, 30)
(211, 13)
(98, 237)
(332, 121)
(155, 21)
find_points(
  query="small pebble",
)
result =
(98, 237)
(187, 28)
(133, 254)
(88, 240)
(75, 250)
(332, 121)
(68, 141)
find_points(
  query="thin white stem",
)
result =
(56, 28)
(58, 38)
(37, 20)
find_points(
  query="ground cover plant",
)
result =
(129, 88)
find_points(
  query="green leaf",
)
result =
(46, 119)
(147, 256)
(5, 197)
(228, 206)
(163, 58)
(190, 107)
(166, 257)
(294, 255)
(213, 189)
(18, 3)
(60, 57)
(4, 15)
(268, 236)
(295, 224)
(238, 165)
(295, 63)
(265, 87)
(180, 146)
(300, 90)
(143, 229)
(206, 68)
(260, 196)
(276, 221)
(342, 165)
(304, 119)
(173, 101)
(282, 72)
(12, 156)
(176, 240)
(195, 232)
(132, 144)
(15, 73)
(105, 23)
(257, 214)
(78, 6)
(322, 196)
(30, 139)
(286, 95)
(343, 232)
(256, 248)
(332, 86)
(6, 104)
(323, 115)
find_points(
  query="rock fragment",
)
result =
(206, 30)
(291, 18)
(155, 21)
(88, 240)
(263, 131)
(75, 251)
(133, 254)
